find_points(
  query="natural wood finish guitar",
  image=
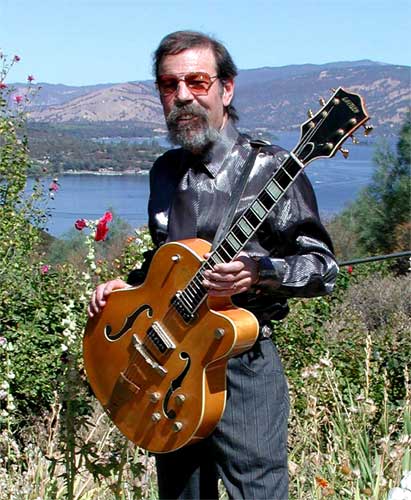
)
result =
(156, 356)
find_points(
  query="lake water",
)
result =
(336, 182)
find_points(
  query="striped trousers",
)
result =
(248, 448)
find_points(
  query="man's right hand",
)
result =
(99, 296)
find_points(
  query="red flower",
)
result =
(349, 269)
(102, 229)
(18, 98)
(80, 224)
(2, 85)
(16, 58)
(30, 78)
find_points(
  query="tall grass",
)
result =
(346, 449)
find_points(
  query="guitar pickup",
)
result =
(139, 347)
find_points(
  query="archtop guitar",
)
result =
(156, 356)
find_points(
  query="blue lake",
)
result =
(336, 182)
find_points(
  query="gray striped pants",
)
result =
(248, 448)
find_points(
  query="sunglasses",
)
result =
(198, 82)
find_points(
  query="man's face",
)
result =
(194, 119)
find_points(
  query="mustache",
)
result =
(186, 109)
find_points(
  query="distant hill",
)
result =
(274, 98)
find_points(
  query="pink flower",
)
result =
(18, 98)
(102, 229)
(3, 85)
(30, 78)
(350, 269)
(16, 58)
(80, 224)
(44, 269)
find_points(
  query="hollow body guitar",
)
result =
(156, 356)
(165, 389)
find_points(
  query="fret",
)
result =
(273, 190)
(239, 234)
(258, 210)
(282, 179)
(266, 200)
(292, 169)
(223, 247)
(216, 259)
(234, 241)
(252, 218)
(245, 226)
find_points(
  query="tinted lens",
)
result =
(198, 83)
(167, 84)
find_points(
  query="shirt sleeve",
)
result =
(300, 260)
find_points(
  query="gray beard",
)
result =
(196, 137)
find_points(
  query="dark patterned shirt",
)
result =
(292, 246)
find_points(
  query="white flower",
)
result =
(11, 406)
(326, 362)
(64, 348)
(11, 375)
(5, 385)
(406, 481)
(3, 394)
(399, 494)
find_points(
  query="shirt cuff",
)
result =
(271, 272)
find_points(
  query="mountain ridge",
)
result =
(270, 97)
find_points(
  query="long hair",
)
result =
(177, 42)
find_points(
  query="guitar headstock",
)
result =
(323, 134)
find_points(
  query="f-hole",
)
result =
(175, 384)
(128, 323)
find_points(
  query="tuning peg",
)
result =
(345, 152)
(322, 101)
(368, 129)
(354, 140)
(310, 113)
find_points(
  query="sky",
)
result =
(84, 42)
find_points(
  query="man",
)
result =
(290, 256)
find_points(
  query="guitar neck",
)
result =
(321, 137)
(243, 230)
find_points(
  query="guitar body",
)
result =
(160, 378)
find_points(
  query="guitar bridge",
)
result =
(139, 347)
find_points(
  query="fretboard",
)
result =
(190, 298)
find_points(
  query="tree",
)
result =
(381, 213)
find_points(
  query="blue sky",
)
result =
(79, 42)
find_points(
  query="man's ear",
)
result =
(228, 91)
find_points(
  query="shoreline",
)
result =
(107, 173)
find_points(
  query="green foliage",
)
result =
(368, 301)
(59, 149)
(380, 217)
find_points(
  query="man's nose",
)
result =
(183, 93)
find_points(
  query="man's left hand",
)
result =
(235, 277)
